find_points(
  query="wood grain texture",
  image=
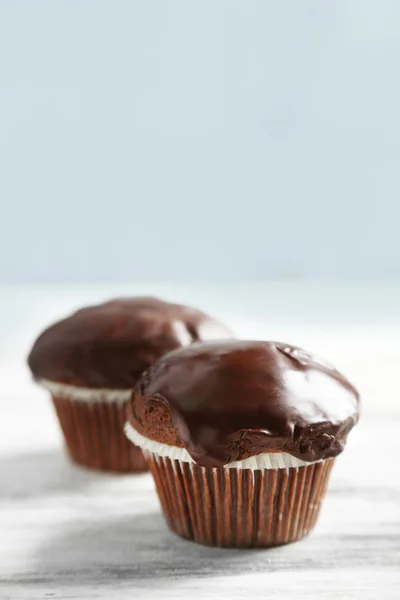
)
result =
(70, 533)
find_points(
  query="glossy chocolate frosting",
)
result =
(227, 401)
(111, 344)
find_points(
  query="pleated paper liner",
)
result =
(94, 435)
(239, 508)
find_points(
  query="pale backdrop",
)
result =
(203, 140)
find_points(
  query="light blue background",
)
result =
(200, 140)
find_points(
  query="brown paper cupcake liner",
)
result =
(94, 435)
(239, 508)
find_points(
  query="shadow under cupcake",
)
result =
(240, 438)
(90, 361)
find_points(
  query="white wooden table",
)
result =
(70, 533)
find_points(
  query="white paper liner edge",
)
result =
(266, 460)
(82, 394)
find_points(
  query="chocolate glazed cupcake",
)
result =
(91, 360)
(240, 438)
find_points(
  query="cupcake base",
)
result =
(94, 435)
(239, 508)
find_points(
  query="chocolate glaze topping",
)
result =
(227, 401)
(111, 344)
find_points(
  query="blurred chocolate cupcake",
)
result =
(91, 360)
(240, 438)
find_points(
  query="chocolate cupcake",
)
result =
(240, 438)
(91, 360)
